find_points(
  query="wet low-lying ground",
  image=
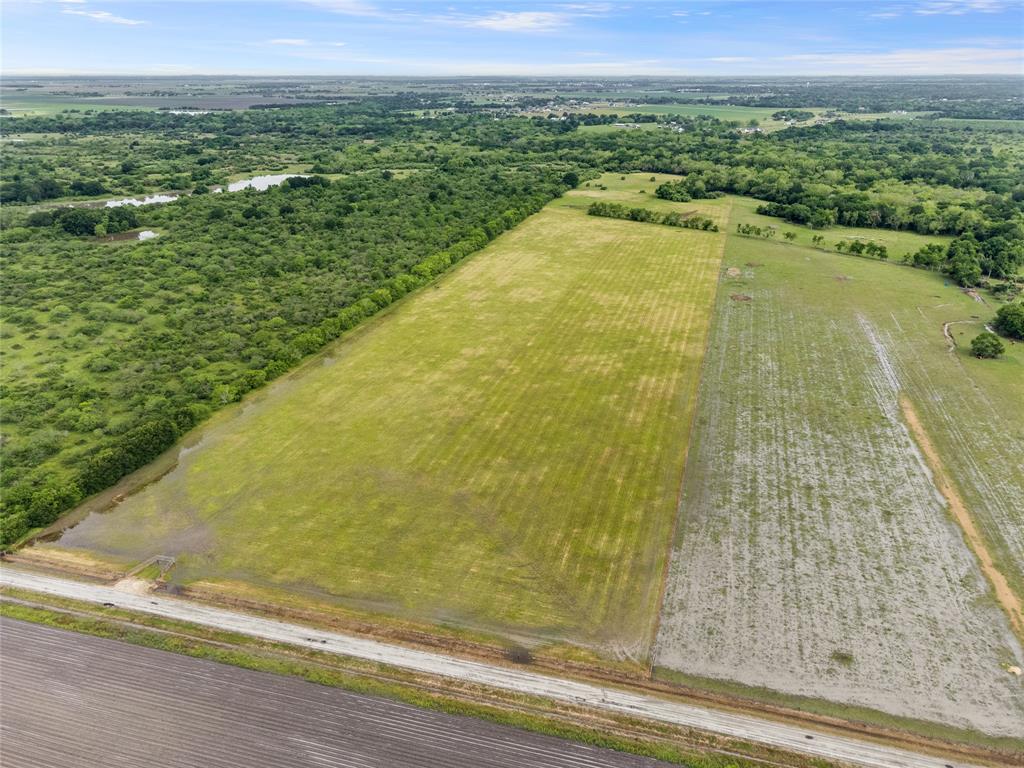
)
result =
(76, 700)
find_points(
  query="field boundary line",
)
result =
(801, 738)
(667, 567)
(1006, 597)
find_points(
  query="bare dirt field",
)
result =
(815, 554)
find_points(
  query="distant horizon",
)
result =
(513, 38)
(507, 76)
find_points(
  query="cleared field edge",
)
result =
(666, 566)
(1005, 596)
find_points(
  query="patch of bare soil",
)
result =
(740, 297)
(974, 295)
(1006, 597)
(134, 585)
(754, 264)
(842, 278)
(949, 334)
(733, 272)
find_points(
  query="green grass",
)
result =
(809, 525)
(501, 451)
(899, 243)
(47, 105)
(638, 190)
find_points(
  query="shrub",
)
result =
(1010, 321)
(986, 345)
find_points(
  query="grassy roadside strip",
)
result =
(677, 746)
(958, 739)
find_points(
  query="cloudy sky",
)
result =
(488, 37)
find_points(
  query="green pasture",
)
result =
(899, 243)
(21, 104)
(502, 450)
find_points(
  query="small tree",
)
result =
(986, 345)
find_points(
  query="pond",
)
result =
(259, 183)
(137, 201)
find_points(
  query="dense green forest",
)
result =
(113, 348)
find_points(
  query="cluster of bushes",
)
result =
(685, 190)
(673, 219)
(87, 221)
(986, 345)
(867, 248)
(27, 506)
(967, 260)
(796, 115)
(1009, 321)
(752, 230)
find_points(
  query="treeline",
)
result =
(968, 260)
(684, 190)
(867, 248)
(671, 219)
(143, 341)
(796, 115)
(87, 221)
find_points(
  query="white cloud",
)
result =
(731, 59)
(514, 21)
(288, 41)
(347, 7)
(963, 61)
(958, 7)
(588, 9)
(104, 16)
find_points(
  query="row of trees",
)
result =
(670, 219)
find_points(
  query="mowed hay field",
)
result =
(502, 450)
(815, 555)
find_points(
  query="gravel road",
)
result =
(588, 694)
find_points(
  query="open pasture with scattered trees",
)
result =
(815, 553)
(502, 450)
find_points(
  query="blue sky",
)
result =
(516, 37)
